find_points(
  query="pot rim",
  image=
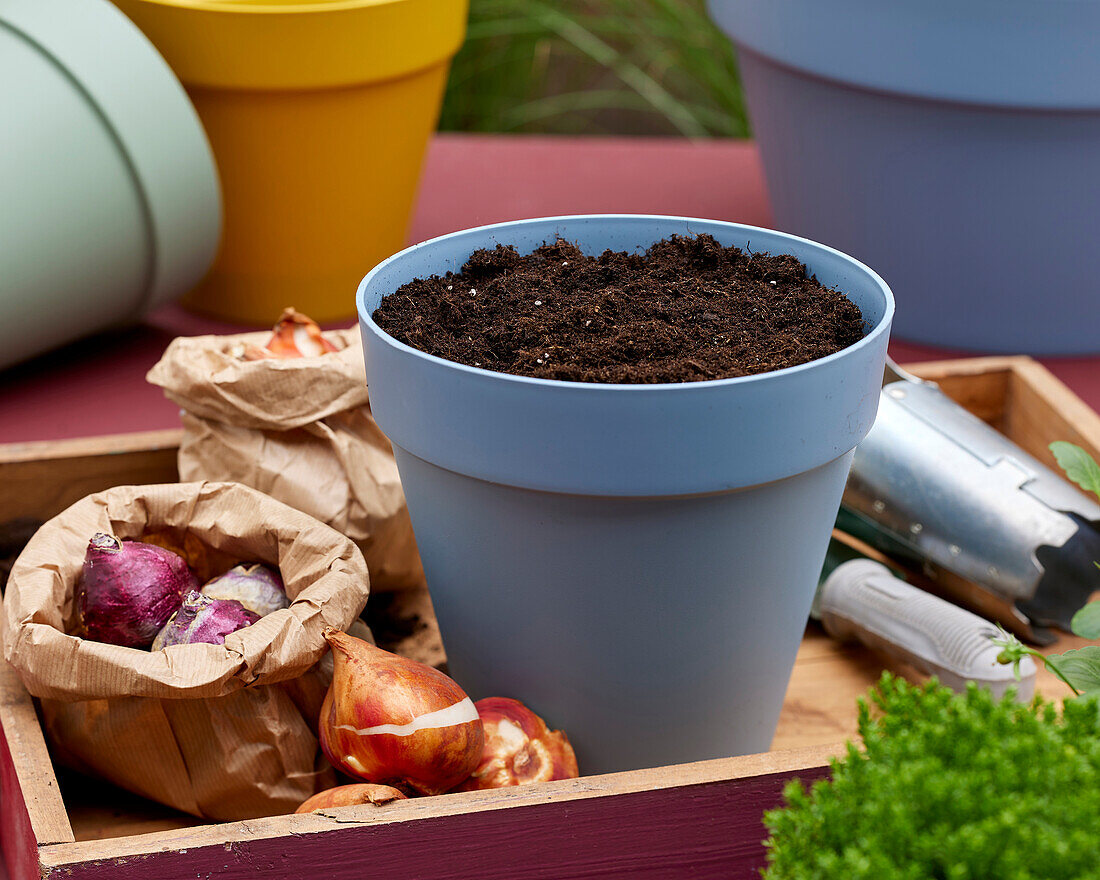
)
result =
(300, 45)
(296, 7)
(154, 125)
(880, 327)
(589, 438)
(1008, 54)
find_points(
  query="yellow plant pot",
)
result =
(319, 114)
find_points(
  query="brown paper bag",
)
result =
(226, 732)
(299, 430)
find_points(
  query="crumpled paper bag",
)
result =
(299, 430)
(225, 732)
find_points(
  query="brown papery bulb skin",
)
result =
(393, 721)
(350, 796)
(519, 748)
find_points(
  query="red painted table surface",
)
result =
(98, 386)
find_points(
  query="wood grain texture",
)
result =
(39, 480)
(17, 838)
(713, 831)
(698, 820)
(692, 820)
(968, 369)
(979, 384)
(1043, 410)
(31, 809)
(30, 760)
(98, 810)
(829, 677)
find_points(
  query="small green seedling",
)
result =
(1085, 472)
(1080, 669)
(1078, 465)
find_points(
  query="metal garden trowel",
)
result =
(992, 527)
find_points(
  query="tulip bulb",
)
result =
(351, 795)
(519, 748)
(390, 720)
(294, 336)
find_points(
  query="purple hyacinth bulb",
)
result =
(257, 587)
(202, 619)
(129, 590)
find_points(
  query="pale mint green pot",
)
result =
(109, 197)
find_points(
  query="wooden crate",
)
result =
(699, 820)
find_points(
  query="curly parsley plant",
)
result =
(949, 787)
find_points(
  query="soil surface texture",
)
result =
(685, 311)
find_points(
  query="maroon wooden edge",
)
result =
(17, 840)
(701, 831)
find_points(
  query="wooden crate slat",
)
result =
(1045, 410)
(979, 384)
(17, 837)
(40, 479)
(26, 749)
(699, 820)
(705, 834)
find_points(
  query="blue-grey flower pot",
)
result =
(952, 145)
(634, 562)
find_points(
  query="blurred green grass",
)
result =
(634, 67)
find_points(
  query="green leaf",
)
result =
(1081, 668)
(1078, 465)
(1086, 622)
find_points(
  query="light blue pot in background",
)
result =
(952, 144)
(635, 562)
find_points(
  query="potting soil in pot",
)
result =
(686, 310)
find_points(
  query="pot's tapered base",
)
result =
(652, 630)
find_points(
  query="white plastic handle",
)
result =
(862, 601)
